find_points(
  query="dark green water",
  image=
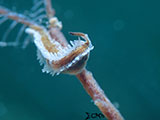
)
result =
(125, 62)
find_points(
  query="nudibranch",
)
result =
(56, 58)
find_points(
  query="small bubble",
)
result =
(68, 14)
(116, 104)
(118, 25)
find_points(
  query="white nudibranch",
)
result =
(56, 58)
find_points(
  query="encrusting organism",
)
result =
(54, 52)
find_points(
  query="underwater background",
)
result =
(125, 63)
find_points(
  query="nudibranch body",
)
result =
(56, 58)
